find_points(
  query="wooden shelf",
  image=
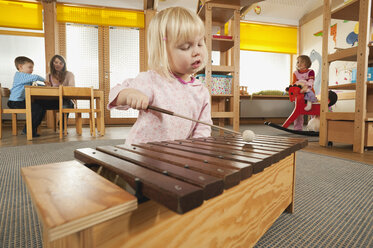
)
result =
(349, 127)
(351, 86)
(343, 87)
(369, 117)
(222, 45)
(219, 15)
(270, 97)
(340, 116)
(222, 69)
(222, 114)
(348, 54)
(223, 95)
(349, 11)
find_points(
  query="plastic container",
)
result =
(221, 84)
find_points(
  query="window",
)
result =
(264, 71)
(82, 57)
(124, 61)
(261, 70)
(12, 46)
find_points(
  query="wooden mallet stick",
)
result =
(164, 111)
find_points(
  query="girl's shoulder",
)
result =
(151, 77)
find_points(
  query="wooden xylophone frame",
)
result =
(236, 218)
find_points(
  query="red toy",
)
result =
(298, 98)
(300, 104)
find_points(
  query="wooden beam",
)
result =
(149, 14)
(50, 30)
(361, 75)
(323, 138)
(21, 33)
(150, 4)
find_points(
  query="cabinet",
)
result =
(216, 13)
(348, 127)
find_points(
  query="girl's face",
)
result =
(186, 57)
(301, 65)
(58, 64)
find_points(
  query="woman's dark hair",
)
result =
(60, 76)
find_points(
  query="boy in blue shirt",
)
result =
(23, 76)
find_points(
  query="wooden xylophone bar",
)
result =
(205, 192)
(182, 174)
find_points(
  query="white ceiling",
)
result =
(273, 11)
(283, 11)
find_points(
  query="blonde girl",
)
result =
(177, 50)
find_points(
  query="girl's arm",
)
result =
(135, 93)
(311, 79)
(133, 98)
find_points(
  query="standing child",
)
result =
(23, 77)
(177, 50)
(305, 77)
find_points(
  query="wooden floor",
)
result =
(116, 132)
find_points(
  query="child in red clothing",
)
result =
(305, 77)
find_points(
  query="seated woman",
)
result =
(59, 75)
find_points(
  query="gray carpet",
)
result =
(19, 226)
(333, 201)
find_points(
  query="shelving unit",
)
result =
(218, 13)
(354, 128)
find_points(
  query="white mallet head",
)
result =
(248, 135)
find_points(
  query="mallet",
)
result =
(247, 135)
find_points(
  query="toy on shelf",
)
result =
(296, 96)
(243, 91)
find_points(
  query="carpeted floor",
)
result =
(333, 201)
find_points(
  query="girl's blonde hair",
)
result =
(169, 26)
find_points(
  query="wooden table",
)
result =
(41, 92)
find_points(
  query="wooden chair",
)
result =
(72, 93)
(5, 92)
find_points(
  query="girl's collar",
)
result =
(304, 70)
(183, 82)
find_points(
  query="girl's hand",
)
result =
(47, 83)
(133, 98)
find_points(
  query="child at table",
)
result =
(304, 77)
(177, 50)
(23, 77)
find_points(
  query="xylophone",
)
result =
(215, 191)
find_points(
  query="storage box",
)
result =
(220, 85)
(369, 75)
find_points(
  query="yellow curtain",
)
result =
(268, 38)
(100, 16)
(14, 14)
